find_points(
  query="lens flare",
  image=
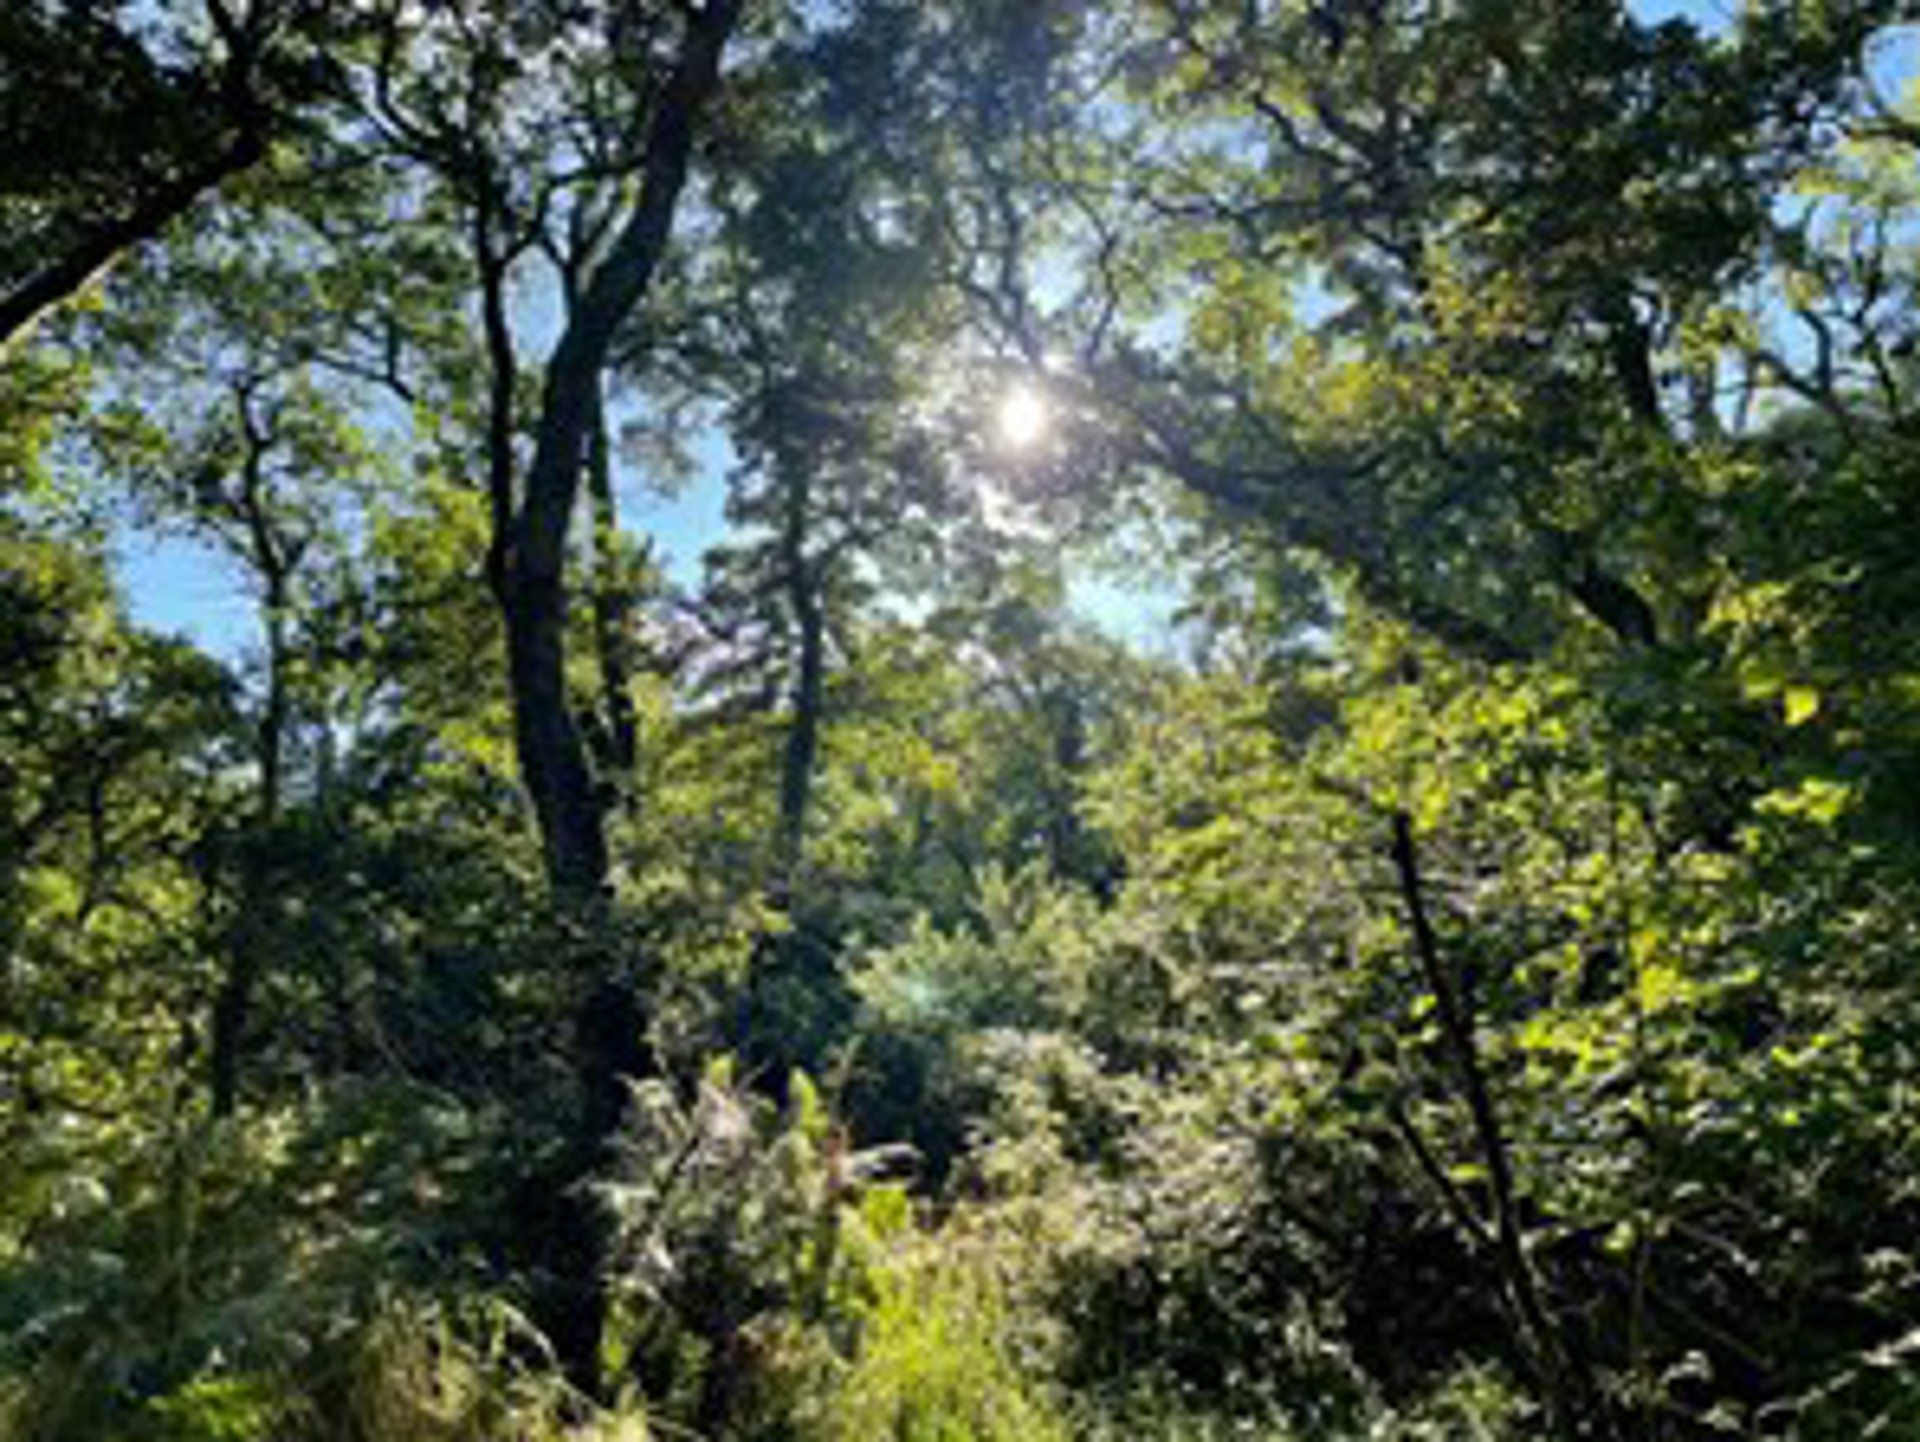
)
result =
(1023, 418)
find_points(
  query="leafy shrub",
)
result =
(940, 1356)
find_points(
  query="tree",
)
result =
(464, 139)
(119, 122)
(837, 481)
(114, 742)
(232, 415)
(1374, 201)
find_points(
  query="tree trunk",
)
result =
(1066, 837)
(553, 758)
(1573, 1401)
(273, 561)
(233, 1005)
(527, 569)
(612, 609)
(65, 275)
(809, 685)
(247, 121)
(559, 1218)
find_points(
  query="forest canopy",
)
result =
(1452, 981)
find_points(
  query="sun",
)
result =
(1023, 418)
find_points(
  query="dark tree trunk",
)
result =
(1066, 837)
(531, 571)
(553, 758)
(1573, 1399)
(66, 274)
(1630, 352)
(803, 735)
(246, 121)
(273, 560)
(233, 1006)
(562, 1224)
(612, 610)
(809, 684)
(526, 567)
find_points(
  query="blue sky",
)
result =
(177, 585)
(1707, 13)
(181, 585)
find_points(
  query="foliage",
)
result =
(530, 986)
